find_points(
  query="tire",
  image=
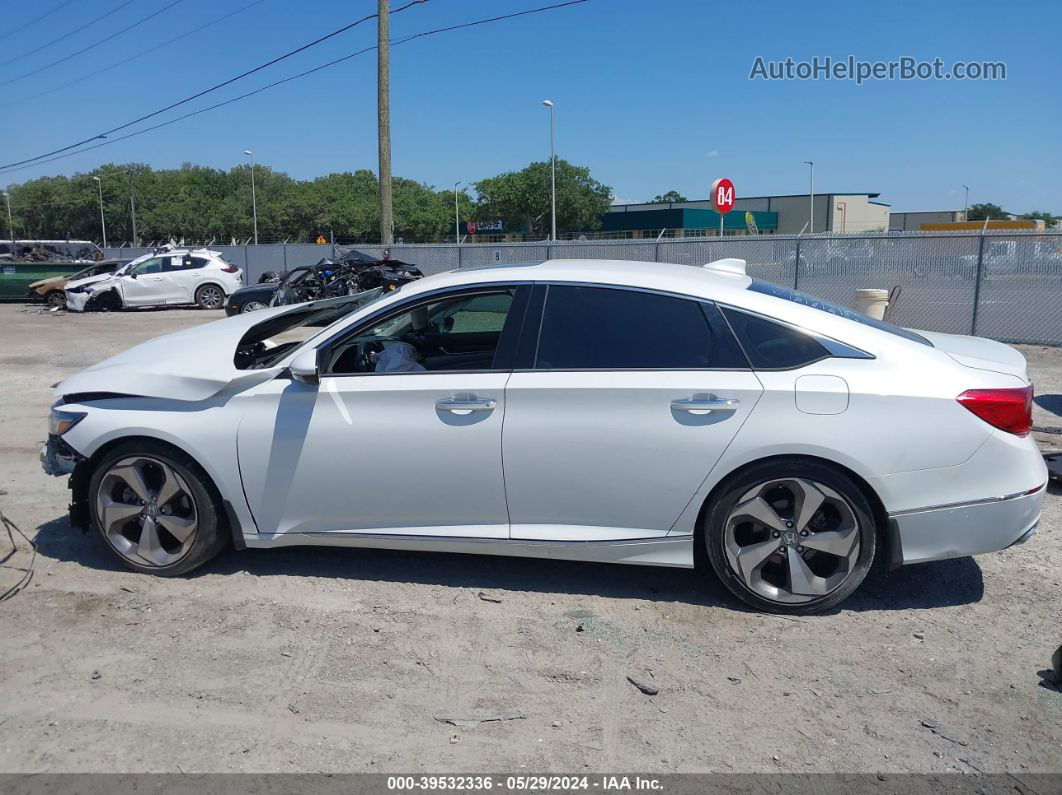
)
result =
(780, 557)
(210, 296)
(253, 306)
(55, 298)
(167, 548)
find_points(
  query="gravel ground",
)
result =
(344, 660)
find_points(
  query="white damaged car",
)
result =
(169, 277)
(622, 412)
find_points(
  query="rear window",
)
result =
(817, 303)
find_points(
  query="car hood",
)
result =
(54, 281)
(192, 364)
(980, 353)
(254, 289)
(91, 280)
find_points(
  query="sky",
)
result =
(651, 95)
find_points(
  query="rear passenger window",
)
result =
(598, 328)
(772, 346)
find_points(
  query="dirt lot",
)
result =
(339, 660)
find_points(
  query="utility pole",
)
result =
(10, 226)
(132, 207)
(254, 199)
(383, 118)
(103, 222)
(966, 202)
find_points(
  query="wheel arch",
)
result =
(82, 476)
(887, 536)
(211, 282)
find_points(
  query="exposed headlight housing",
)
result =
(59, 422)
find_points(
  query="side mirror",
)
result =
(304, 367)
(131, 275)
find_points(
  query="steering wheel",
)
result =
(369, 350)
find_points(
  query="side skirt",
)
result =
(673, 551)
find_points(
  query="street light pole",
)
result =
(254, 198)
(966, 202)
(811, 202)
(552, 172)
(103, 222)
(457, 217)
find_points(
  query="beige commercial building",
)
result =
(912, 222)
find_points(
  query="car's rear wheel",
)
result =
(252, 306)
(210, 296)
(791, 536)
(55, 298)
(156, 509)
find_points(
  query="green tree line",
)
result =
(201, 204)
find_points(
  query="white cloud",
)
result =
(714, 153)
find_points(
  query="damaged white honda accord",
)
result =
(587, 410)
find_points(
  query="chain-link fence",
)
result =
(1007, 286)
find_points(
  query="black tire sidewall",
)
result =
(711, 535)
(209, 538)
(199, 296)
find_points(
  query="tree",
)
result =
(670, 196)
(522, 198)
(1049, 219)
(987, 210)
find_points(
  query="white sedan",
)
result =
(169, 277)
(588, 410)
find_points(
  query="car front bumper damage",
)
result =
(964, 529)
(58, 458)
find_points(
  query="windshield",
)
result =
(817, 303)
(269, 341)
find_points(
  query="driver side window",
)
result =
(450, 333)
(149, 266)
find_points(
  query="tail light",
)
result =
(1009, 410)
(231, 269)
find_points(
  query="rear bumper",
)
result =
(971, 528)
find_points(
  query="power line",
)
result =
(104, 40)
(124, 61)
(215, 87)
(34, 21)
(78, 29)
(296, 77)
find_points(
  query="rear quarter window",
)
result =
(772, 346)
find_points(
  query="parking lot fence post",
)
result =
(977, 282)
(796, 265)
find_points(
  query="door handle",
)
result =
(694, 406)
(465, 406)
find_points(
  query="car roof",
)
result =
(666, 277)
(698, 282)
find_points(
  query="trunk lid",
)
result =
(980, 353)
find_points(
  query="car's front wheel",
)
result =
(210, 296)
(156, 509)
(790, 536)
(55, 298)
(253, 306)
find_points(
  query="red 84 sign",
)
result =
(722, 196)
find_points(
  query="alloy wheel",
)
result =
(210, 297)
(252, 306)
(147, 511)
(792, 540)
